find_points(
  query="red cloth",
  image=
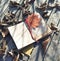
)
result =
(29, 27)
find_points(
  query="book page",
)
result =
(20, 35)
(41, 31)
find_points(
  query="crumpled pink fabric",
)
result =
(29, 28)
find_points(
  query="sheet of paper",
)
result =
(40, 31)
(20, 35)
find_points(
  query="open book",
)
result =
(22, 36)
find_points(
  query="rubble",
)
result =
(13, 12)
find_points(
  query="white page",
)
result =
(40, 31)
(20, 35)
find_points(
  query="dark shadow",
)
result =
(40, 51)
